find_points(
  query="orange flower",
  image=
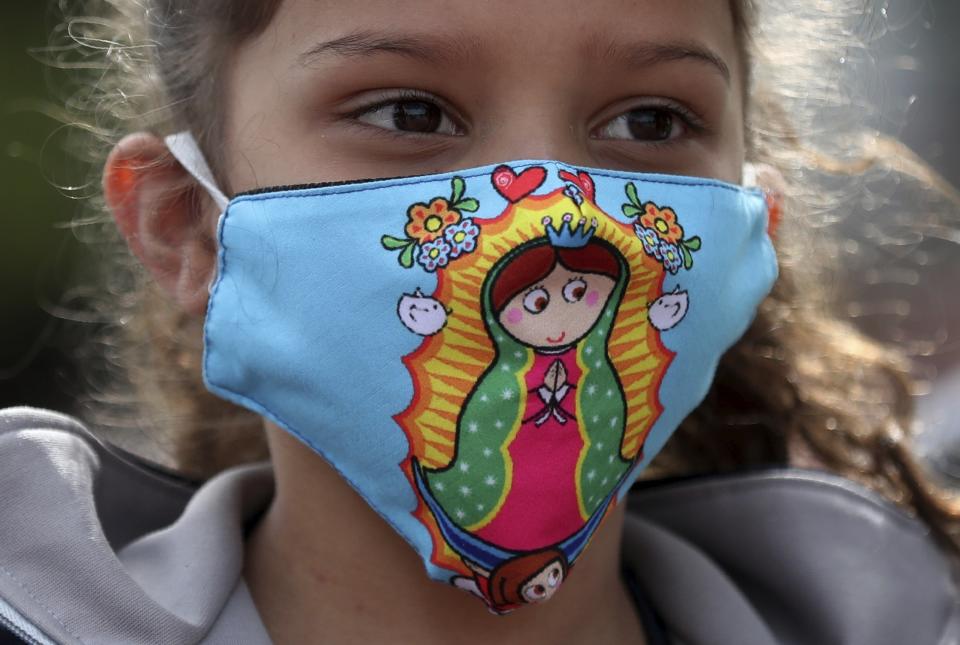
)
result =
(663, 221)
(427, 222)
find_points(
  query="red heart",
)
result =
(583, 180)
(515, 187)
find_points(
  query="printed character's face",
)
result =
(668, 310)
(544, 585)
(422, 315)
(558, 311)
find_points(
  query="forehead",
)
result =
(507, 34)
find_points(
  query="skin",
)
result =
(520, 81)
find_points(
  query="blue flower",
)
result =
(670, 255)
(462, 237)
(434, 254)
(651, 241)
(574, 193)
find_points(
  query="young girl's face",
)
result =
(375, 88)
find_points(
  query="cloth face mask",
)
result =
(490, 357)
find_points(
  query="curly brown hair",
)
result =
(802, 387)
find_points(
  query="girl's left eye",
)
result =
(646, 124)
(410, 114)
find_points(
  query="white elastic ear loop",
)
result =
(749, 176)
(185, 149)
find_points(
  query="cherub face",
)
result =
(558, 311)
(544, 585)
(668, 310)
(421, 314)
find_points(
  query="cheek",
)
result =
(515, 316)
(592, 299)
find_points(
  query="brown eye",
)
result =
(648, 124)
(651, 124)
(417, 116)
(574, 290)
(408, 114)
(536, 301)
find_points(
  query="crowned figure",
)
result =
(538, 442)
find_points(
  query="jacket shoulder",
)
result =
(99, 546)
(132, 496)
(806, 557)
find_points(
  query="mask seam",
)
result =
(422, 179)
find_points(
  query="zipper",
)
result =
(17, 625)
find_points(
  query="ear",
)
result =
(167, 220)
(770, 180)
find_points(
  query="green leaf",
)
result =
(406, 258)
(631, 211)
(687, 257)
(393, 243)
(470, 205)
(459, 186)
(693, 243)
(632, 195)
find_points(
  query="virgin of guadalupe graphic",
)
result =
(548, 381)
(549, 306)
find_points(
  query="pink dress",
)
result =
(545, 452)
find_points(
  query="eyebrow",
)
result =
(643, 54)
(361, 44)
(440, 49)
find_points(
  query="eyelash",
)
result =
(392, 97)
(689, 120)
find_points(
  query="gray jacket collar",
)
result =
(96, 547)
(790, 557)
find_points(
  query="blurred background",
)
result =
(42, 263)
(38, 253)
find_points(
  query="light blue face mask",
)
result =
(491, 356)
